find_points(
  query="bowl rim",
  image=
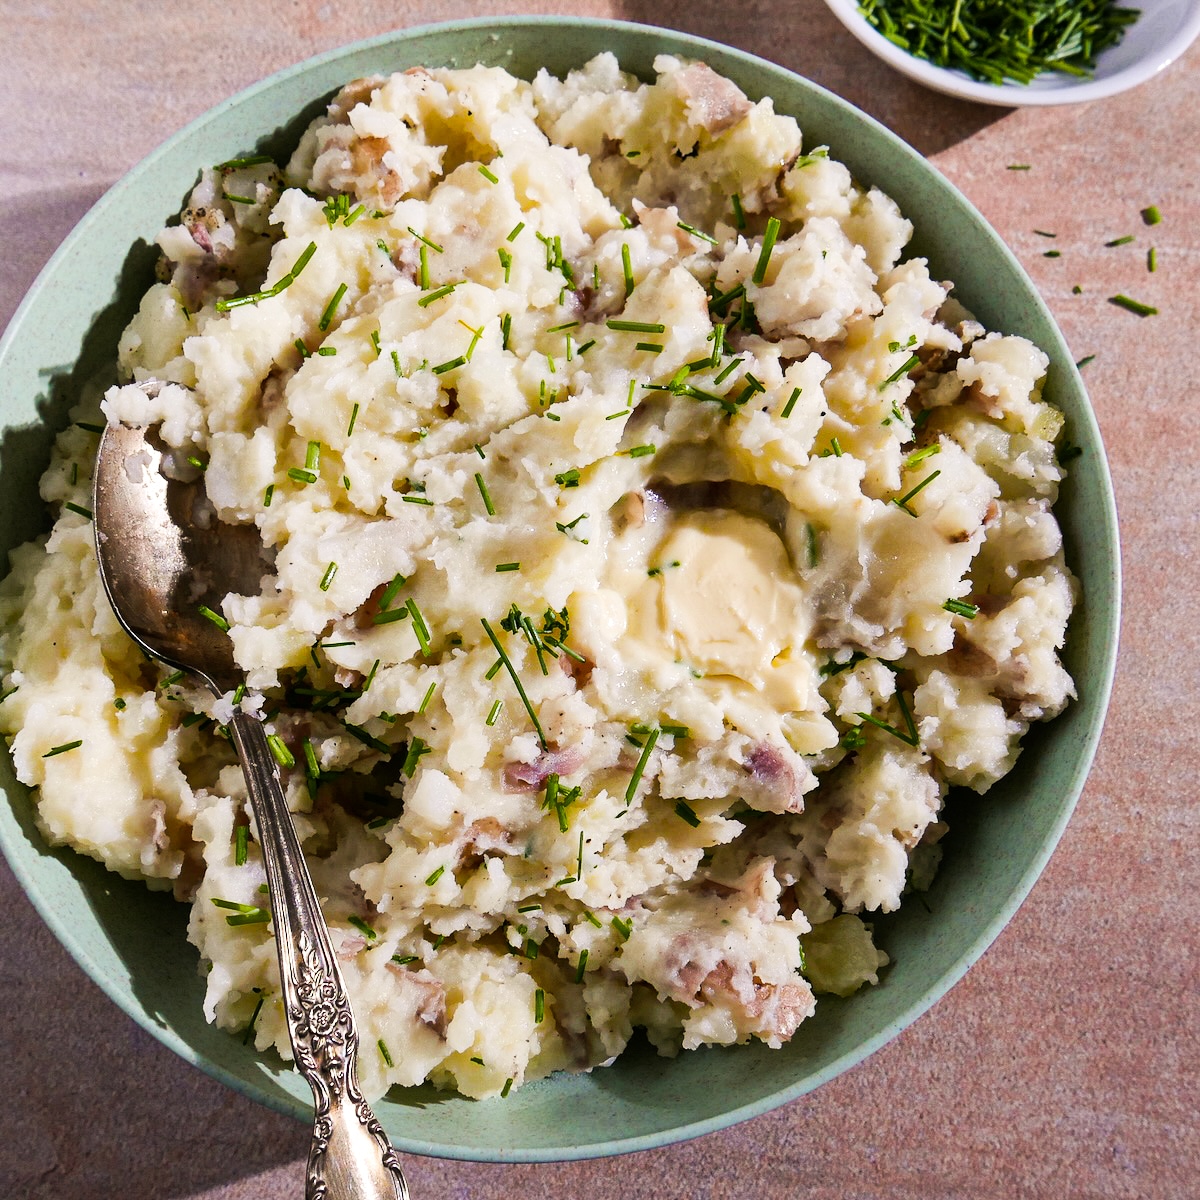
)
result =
(1062, 90)
(675, 42)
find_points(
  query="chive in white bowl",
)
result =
(1163, 30)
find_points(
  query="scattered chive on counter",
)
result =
(996, 42)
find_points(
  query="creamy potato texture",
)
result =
(654, 546)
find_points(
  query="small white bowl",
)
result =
(1163, 31)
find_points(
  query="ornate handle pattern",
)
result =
(351, 1157)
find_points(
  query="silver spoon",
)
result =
(163, 555)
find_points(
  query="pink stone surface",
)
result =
(1065, 1063)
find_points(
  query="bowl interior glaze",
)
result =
(132, 942)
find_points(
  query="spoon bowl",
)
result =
(167, 563)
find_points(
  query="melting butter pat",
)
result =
(726, 601)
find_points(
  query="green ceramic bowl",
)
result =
(132, 942)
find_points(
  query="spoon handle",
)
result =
(351, 1157)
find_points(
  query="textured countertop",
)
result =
(1065, 1063)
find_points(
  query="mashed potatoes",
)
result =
(653, 549)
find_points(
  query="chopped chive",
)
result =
(383, 1053)
(913, 360)
(225, 304)
(764, 254)
(627, 269)
(427, 697)
(506, 261)
(402, 960)
(1121, 241)
(327, 578)
(424, 240)
(450, 365)
(641, 451)
(569, 478)
(419, 626)
(1152, 260)
(505, 330)
(417, 749)
(55, 750)
(312, 768)
(494, 712)
(483, 491)
(215, 617)
(539, 1006)
(696, 233)
(487, 174)
(791, 403)
(636, 326)
(435, 876)
(514, 231)
(279, 751)
(961, 608)
(582, 965)
(685, 810)
(390, 592)
(430, 297)
(512, 671)
(1045, 233)
(353, 420)
(502, 568)
(1151, 215)
(362, 928)
(506, 1088)
(739, 214)
(623, 928)
(331, 307)
(1083, 362)
(902, 501)
(367, 739)
(1018, 167)
(1052, 254)
(410, 498)
(638, 771)
(78, 509)
(919, 456)
(1133, 306)
(253, 160)
(240, 845)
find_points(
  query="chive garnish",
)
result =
(1152, 260)
(1151, 215)
(56, 750)
(539, 1006)
(225, 304)
(331, 307)
(685, 810)
(568, 478)
(913, 360)
(487, 174)
(961, 608)
(506, 1088)
(402, 960)
(623, 928)
(638, 771)
(430, 297)
(696, 233)
(503, 568)
(364, 929)
(1133, 306)
(78, 509)
(514, 231)
(739, 214)
(791, 403)
(279, 751)
(641, 451)
(252, 160)
(435, 876)
(908, 735)
(243, 914)
(506, 261)
(383, 1053)
(450, 365)
(1121, 241)
(419, 626)
(902, 501)
(512, 671)
(327, 578)
(636, 326)
(493, 713)
(582, 965)
(424, 240)
(427, 697)
(764, 254)
(627, 269)
(417, 749)
(215, 617)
